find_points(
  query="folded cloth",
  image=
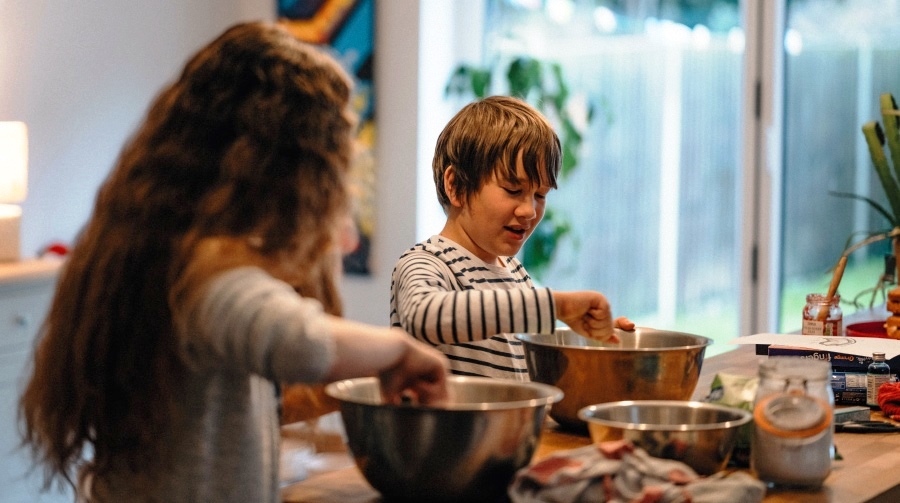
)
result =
(889, 399)
(620, 472)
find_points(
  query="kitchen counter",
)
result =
(867, 473)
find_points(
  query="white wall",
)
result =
(396, 97)
(82, 73)
(450, 33)
(418, 43)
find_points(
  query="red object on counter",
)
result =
(889, 399)
(56, 249)
(867, 329)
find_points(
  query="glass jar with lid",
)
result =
(793, 411)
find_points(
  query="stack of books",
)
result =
(848, 371)
(849, 357)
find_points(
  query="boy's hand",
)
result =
(588, 313)
(624, 323)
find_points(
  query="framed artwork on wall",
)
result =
(346, 29)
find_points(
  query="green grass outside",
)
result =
(722, 325)
(859, 276)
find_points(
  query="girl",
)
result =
(178, 308)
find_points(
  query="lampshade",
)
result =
(13, 185)
(13, 162)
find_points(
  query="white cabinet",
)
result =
(26, 289)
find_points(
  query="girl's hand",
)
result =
(419, 376)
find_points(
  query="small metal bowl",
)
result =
(647, 364)
(701, 435)
(467, 449)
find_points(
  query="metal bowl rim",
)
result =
(745, 416)
(552, 395)
(705, 341)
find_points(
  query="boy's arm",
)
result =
(428, 302)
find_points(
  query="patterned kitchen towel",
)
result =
(619, 472)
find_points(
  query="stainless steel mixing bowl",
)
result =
(702, 435)
(468, 449)
(647, 364)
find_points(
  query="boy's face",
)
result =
(498, 219)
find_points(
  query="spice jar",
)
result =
(792, 443)
(878, 373)
(833, 322)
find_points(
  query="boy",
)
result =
(463, 290)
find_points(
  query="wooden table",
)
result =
(869, 471)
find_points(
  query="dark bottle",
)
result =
(878, 373)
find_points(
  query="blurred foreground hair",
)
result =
(252, 144)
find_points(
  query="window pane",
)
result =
(840, 56)
(653, 202)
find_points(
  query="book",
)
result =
(840, 362)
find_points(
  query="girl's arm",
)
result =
(254, 323)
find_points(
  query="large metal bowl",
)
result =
(702, 435)
(647, 364)
(468, 449)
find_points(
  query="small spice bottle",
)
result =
(833, 322)
(878, 373)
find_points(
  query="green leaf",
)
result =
(891, 130)
(571, 146)
(874, 204)
(875, 141)
(537, 254)
(469, 80)
(562, 93)
(524, 75)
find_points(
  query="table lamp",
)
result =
(13, 186)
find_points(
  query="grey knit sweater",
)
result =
(246, 332)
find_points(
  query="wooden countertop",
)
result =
(869, 471)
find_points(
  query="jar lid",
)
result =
(816, 298)
(792, 415)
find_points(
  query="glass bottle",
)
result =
(831, 325)
(878, 373)
(793, 411)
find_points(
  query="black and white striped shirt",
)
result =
(468, 309)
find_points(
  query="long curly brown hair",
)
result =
(250, 144)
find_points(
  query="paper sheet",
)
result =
(859, 346)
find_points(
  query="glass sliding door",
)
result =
(653, 203)
(713, 136)
(839, 57)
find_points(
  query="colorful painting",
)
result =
(346, 28)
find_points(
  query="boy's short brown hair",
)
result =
(485, 137)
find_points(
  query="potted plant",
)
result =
(888, 171)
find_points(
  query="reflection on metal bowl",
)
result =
(699, 434)
(647, 364)
(467, 449)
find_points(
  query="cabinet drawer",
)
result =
(26, 290)
(22, 310)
